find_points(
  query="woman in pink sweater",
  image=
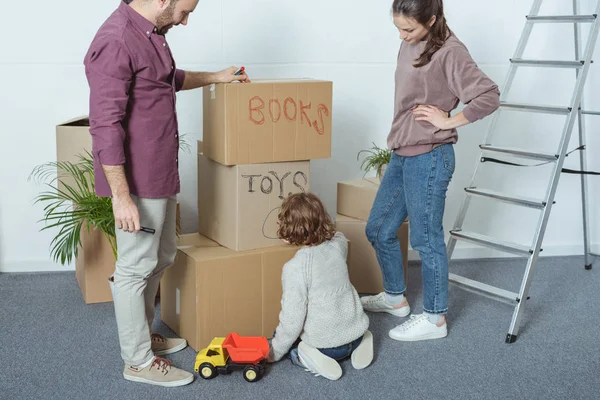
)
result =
(435, 72)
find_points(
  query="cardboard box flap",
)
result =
(207, 253)
(276, 249)
(343, 218)
(283, 80)
(195, 239)
(78, 121)
(364, 182)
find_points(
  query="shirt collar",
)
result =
(138, 20)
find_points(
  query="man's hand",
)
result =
(126, 213)
(433, 115)
(227, 76)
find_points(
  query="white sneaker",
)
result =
(379, 304)
(318, 363)
(418, 328)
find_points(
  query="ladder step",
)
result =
(548, 63)
(536, 108)
(520, 153)
(561, 18)
(492, 243)
(482, 288)
(520, 201)
(589, 112)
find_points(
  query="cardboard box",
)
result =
(93, 265)
(363, 267)
(72, 139)
(267, 121)
(355, 197)
(212, 291)
(238, 205)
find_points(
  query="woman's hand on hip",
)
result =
(433, 115)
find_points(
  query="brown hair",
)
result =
(303, 220)
(422, 11)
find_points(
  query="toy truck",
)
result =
(233, 353)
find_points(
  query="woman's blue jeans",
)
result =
(414, 187)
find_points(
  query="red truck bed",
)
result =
(246, 349)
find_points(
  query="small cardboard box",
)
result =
(93, 265)
(363, 267)
(238, 205)
(355, 197)
(267, 121)
(72, 140)
(212, 291)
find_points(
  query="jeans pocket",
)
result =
(447, 151)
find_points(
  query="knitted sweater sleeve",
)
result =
(294, 304)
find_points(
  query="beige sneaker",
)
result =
(161, 373)
(162, 346)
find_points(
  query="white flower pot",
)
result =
(381, 172)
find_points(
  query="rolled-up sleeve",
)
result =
(109, 69)
(179, 79)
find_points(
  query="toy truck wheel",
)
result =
(252, 373)
(207, 371)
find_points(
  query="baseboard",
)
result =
(469, 253)
(36, 265)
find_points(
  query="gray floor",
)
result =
(56, 347)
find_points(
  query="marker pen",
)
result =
(239, 71)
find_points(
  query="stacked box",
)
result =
(258, 141)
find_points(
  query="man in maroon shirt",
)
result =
(135, 141)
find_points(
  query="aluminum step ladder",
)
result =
(572, 112)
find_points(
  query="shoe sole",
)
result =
(429, 336)
(362, 356)
(330, 369)
(181, 382)
(171, 350)
(397, 312)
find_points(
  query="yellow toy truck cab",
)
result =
(213, 354)
(234, 352)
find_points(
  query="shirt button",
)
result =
(147, 33)
(164, 44)
(176, 135)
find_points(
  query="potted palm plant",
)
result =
(376, 159)
(73, 207)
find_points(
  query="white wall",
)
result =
(352, 43)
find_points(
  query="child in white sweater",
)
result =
(322, 320)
